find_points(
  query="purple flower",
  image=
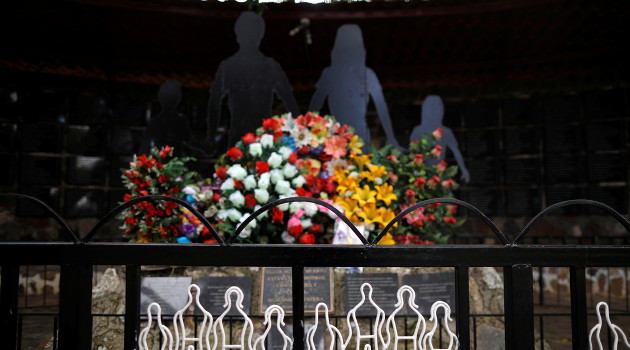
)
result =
(188, 229)
(316, 151)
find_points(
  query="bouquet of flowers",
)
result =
(284, 158)
(414, 181)
(156, 173)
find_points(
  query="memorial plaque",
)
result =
(563, 138)
(213, 293)
(607, 167)
(614, 197)
(521, 141)
(7, 136)
(124, 141)
(170, 292)
(84, 203)
(384, 289)
(276, 288)
(86, 140)
(26, 207)
(606, 136)
(86, 171)
(554, 195)
(522, 171)
(41, 138)
(561, 109)
(131, 112)
(40, 170)
(431, 287)
(565, 169)
(523, 202)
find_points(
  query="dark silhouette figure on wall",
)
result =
(168, 127)
(249, 79)
(348, 85)
(432, 115)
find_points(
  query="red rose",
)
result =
(410, 194)
(248, 138)
(434, 181)
(270, 124)
(149, 222)
(295, 230)
(216, 197)
(174, 230)
(437, 134)
(392, 158)
(304, 150)
(210, 241)
(143, 192)
(293, 158)
(127, 197)
(303, 193)
(205, 232)
(441, 167)
(262, 167)
(449, 220)
(141, 160)
(159, 165)
(162, 179)
(324, 157)
(221, 173)
(434, 205)
(316, 229)
(435, 152)
(166, 151)
(238, 184)
(150, 163)
(277, 216)
(159, 212)
(452, 208)
(307, 238)
(131, 221)
(277, 134)
(447, 184)
(420, 181)
(310, 180)
(174, 190)
(330, 187)
(418, 159)
(250, 201)
(234, 153)
(429, 217)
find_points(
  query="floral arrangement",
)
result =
(156, 173)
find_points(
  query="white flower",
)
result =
(310, 209)
(306, 223)
(336, 163)
(276, 175)
(282, 187)
(234, 214)
(266, 140)
(288, 122)
(302, 137)
(205, 196)
(378, 181)
(263, 182)
(284, 206)
(295, 206)
(249, 182)
(210, 212)
(275, 160)
(298, 181)
(289, 171)
(237, 171)
(191, 189)
(262, 196)
(251, 225)
(228, 184)
(285, 152)
(262, 215)
(287, 238)
(255, 149)
(223, 214)
(237, 199)
(333, 215)
(245, 233)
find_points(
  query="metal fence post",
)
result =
(298, 307)
(132, 306)
(75, 307)
(9, 305)
(579, 324)
(462, 307)
(519, 307)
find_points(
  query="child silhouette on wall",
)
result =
(432, 115)
(348, 84)
(249, 79)
(169, 127)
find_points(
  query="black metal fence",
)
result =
(78, 257)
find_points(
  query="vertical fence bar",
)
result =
(519, 307)
(9, 304)
(132, 306)
(579, 324)
(75, 307)
(298, 307)
(462, 307)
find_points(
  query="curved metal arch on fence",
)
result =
(54, 214)
(270, 205)
(131, 202)
(623, 221)
(466, 205)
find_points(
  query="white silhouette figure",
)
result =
(279, 323)
(452, 338)
(167, 337)
(334, 331)
(204, 328)
(248, 327)
(614, 329)
(391, 320)
(376, 335)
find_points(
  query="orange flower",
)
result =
(336, 146)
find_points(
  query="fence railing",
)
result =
(78, 257)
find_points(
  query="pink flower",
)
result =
(437, 134)
(433, 181)
(392, 158)
(452, 208)
(441, 166)
(418, 159)
(449, 220)
(436, 151)
(447, 184)
(336, 146)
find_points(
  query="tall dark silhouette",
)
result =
(249, 79)
(168, 127)
(432, 115)
(348, 85)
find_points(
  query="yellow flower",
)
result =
(364, 195)
(348, 205)
(377, 171)
(389, 215)
(347, 184)
(361, 161)
(385, 193)
(387, 240)
(370, 213)
(355, 145)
